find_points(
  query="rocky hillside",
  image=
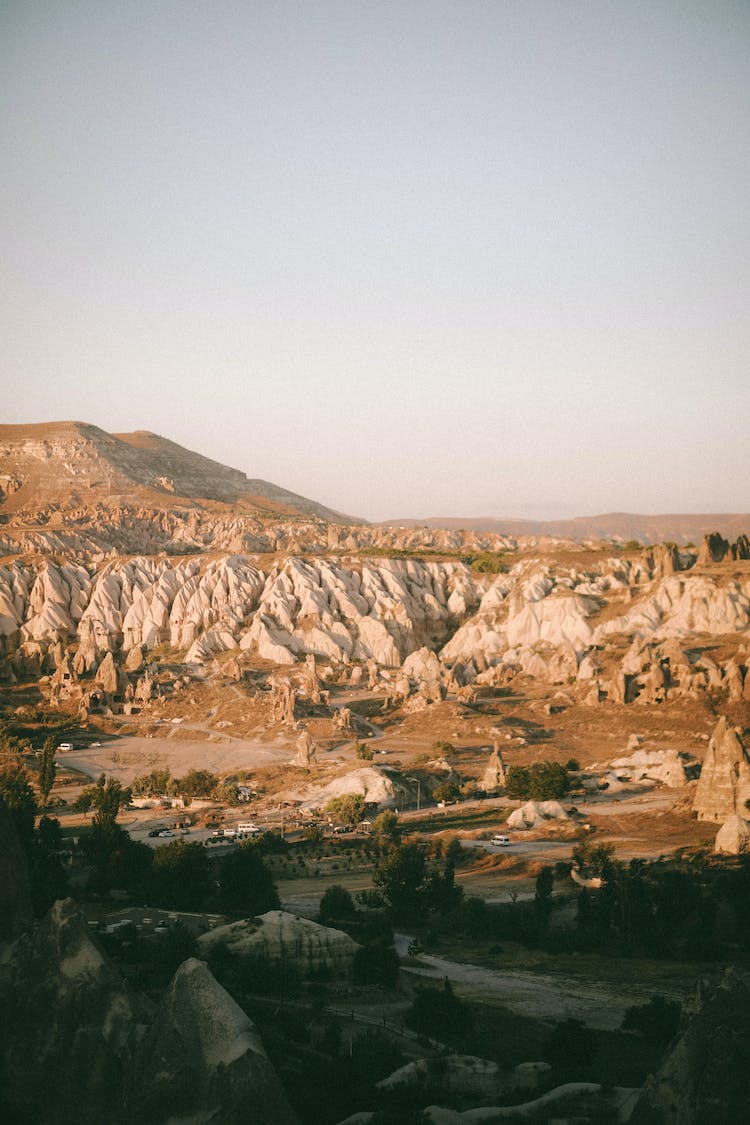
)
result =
(645, 628)
(73, 467)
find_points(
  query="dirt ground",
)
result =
(131, 755)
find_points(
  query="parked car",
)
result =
(155, 832)
(65, 747)
(500, 841)
(165, 833)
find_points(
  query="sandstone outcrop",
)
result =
(534, 813)
(278, 936)
(733, 838)
(494, 775)
(372, 782)
(557, 624)
(204, 1060)
(705, 1077)
(724, 784)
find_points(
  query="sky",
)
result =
(407, 258)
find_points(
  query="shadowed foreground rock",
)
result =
(70, 1024)
(204, 1059)
(78, 1046)
(705, 1079)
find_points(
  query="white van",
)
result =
(500, 841)
(65, 747)
(247, 828)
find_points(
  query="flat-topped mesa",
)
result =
(724, 784)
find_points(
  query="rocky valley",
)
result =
(268, 769)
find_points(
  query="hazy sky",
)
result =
(408, 258)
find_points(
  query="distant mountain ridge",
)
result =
(68, 464)
(624, 526)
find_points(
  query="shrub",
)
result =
(376, 964)
(438, 1012)
(336, 905)
(656, 1021)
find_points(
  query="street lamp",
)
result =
(419, 789)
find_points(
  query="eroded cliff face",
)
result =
(79, 1046)
(705, 1077)
(616, 629)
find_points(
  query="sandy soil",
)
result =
(131, 755)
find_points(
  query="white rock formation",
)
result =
(371, 781)
(534, 813)
(733, 838)
(465, 1075)
(279, 936)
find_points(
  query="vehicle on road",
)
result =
(155, 832)
(65, 747)
(248, 828)
(166, 832)
(500, 841)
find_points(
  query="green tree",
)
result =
(542, 781)
(385, 830)
(447, 791)
(571, 1049)
(376, 963)
(227, 792)
(49, 834)
(347, 809)
(18, 795)
(107, 796)
(443, 894)
(656, 1021)
(595, 858)
(517, 783)
(197, 783)
(47, 769)
(543, 900)
(402, 876)
(337, 905)
(246, 884)
(364, 752)
(11, 746)
(165, 956)
(439, 1012)
(180, 877)
(154, 784)
(547, 781)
